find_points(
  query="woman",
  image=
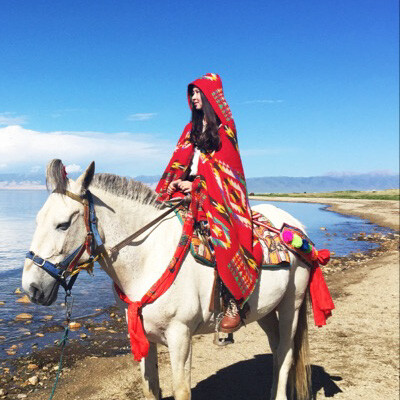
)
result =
(207, 164)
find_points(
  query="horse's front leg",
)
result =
(149, 370)
(179, 342)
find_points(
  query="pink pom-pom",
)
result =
(287, 236)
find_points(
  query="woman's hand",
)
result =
(185, 186)
(173, 186)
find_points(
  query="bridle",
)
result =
(70, 266)
(92, 244)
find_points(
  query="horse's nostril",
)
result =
(34, 292)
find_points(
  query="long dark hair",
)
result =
(208, 140)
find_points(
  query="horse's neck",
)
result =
(120, 217)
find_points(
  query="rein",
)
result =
(129, 239)
(70, 266)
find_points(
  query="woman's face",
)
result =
(196, 98)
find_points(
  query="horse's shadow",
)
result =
(252, 379)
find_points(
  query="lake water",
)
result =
(18, 210)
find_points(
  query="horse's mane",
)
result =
(56, 180)
(126, 187)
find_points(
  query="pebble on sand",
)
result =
(23, 316)
(32, 367)
(18, 291)
(24, 299)
(2, 303)
(3, 392)
(48, 317)
(74, 325)
(33, 380)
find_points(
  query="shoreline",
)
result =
(107, 342)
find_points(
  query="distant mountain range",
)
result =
(286, 184)
(276, 184)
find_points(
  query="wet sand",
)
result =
(355, 356)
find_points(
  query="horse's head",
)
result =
(60, 228)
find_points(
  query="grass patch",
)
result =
(390, 194)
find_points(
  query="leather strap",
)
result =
(129, 239)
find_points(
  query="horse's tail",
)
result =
(301, 370)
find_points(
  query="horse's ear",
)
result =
(86, 178)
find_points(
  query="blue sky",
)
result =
(313, 86)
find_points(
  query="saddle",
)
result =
(274, 249)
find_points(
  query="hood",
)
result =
(211, 86)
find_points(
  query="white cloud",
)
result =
(73, 168)
(9, 118)
(263, 101)
(141, 116)
(3, 165)
(135, 153)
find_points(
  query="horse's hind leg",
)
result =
(288, 314)
(270, 325)
(149, 370)
(179, 342)
(284, 353)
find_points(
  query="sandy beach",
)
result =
(355, 356)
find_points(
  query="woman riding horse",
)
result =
(206, 163)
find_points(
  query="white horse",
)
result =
(122, 206)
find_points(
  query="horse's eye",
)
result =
(64, 226)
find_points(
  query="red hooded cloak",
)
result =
(219, 194)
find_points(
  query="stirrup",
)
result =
(223, 339)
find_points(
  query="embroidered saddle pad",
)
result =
(275, 251)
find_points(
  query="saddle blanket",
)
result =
(275, 251)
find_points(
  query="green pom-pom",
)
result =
(297, 241)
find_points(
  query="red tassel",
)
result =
(139, 343)
(324, 256)
(321, 299)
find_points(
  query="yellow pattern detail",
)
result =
(177, 165)
(229, 131)
(211, 77)
(220, 208)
